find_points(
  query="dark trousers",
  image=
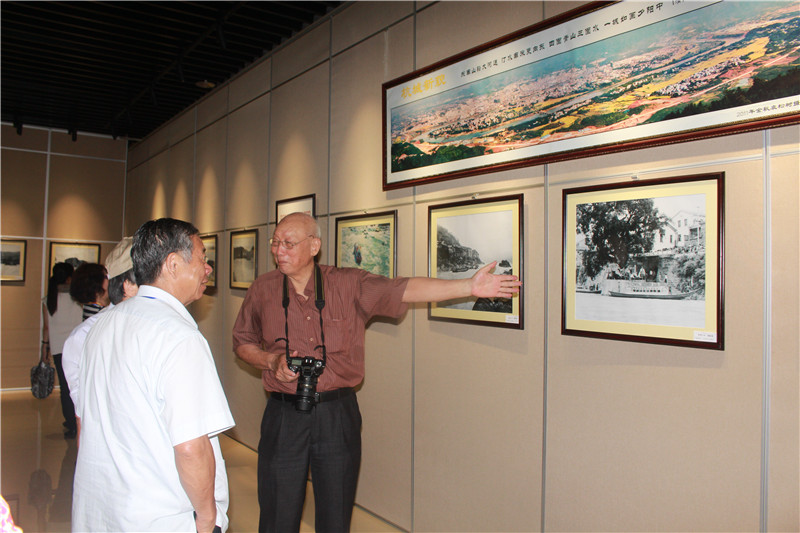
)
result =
(67, 408)
(328, 441)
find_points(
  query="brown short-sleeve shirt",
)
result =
(352, 298)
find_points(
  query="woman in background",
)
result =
(90, 288)
(60, 316)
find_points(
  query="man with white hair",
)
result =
(316, 315)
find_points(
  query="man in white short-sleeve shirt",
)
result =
(151, 403)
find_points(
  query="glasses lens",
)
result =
(275, 243)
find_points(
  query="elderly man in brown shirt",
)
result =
(323, 312)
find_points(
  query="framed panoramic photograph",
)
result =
(73, 253)
(302, 204)
(12, 259)
(604, 77)
(465, 236)
(210, 243)
(368, 242)
(643, 261)
(244, 258)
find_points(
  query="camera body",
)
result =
(309, 369)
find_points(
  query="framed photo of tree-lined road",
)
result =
(465, 236)
(643, 261)
(602, 78)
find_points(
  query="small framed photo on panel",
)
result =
(210, 244)
(244, 258)
(73, 253)
(302, 204)
(13, 254)
(368, 242)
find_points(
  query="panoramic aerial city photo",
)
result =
(720, 56)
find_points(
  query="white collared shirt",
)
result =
(148, 383)
(71, 354)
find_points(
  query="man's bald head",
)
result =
(307, 222)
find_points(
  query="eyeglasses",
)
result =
(274, 243)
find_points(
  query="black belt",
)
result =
(319, 397)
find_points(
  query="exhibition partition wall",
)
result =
(54, 190)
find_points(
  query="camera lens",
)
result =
(309, 370)
(306, 389)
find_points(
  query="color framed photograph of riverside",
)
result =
(643, 261)
(244, 258)
(368, 242)
(602, 78)
(465, 236)
(302, 204)
(12, 259)
(73, 253)
(210, 243)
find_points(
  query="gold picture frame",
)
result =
(13, 255)
(465, 236)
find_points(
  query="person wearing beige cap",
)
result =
(121, 286)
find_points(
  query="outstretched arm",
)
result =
(482, 284)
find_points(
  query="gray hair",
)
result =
(154, 241)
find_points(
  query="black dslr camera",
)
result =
(310, 369)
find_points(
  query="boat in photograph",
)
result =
(645, 289)
(594, 289)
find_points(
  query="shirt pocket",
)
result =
(337, 335)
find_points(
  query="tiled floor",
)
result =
(37, 465)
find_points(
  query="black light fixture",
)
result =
(205, 84)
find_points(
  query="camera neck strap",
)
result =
(319, 302)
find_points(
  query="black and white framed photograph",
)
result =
(300, 204)
(73, 253)
(465, 236)
(210, 244)
(643, 261)
(244, 258)
(12, 259)
(368, 242)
